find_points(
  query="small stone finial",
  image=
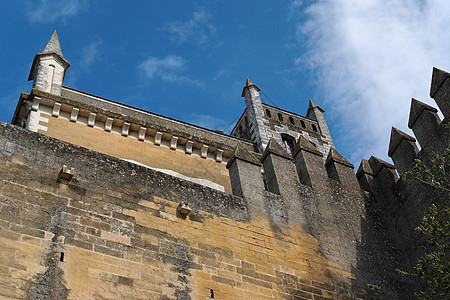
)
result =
(248, 84)
(53, 45)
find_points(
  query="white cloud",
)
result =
(370, 58)
(91, 53)
(49, 11)
(168, 69)
(197, 28)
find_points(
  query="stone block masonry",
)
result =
(113, 232)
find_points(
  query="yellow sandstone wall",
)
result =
(114, 233)
(145, 152)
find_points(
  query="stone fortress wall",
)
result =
(147, 207)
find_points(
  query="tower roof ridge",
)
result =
(53, 45)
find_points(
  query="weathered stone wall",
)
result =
(114, 232)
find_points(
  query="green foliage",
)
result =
(433, 268)
(435, 173)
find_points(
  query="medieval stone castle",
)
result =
(101, 200)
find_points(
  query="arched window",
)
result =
(280, 117)
(314, 127)
(303, 123)
(288, 143)
(291, 120)
(246, 121)
(268, 114)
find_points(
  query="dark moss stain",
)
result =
(51, 284)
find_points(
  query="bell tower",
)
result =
(49, 68)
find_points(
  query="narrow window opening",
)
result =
(211, 293)
(288, 143)
(291, 120)
(280, 117)
(314, 127)
(246, 121)
(268, 113)
(51, 76)
(61, 257)
(303, 123)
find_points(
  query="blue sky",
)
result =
(362, 61)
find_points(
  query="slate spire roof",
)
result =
(53, 45)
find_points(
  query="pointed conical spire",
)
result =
(53, 45)
(50, 61)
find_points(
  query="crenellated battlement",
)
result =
(404, 202)
(115, 200)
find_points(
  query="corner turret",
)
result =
(316, 112)
(255, 114)
(49, 68)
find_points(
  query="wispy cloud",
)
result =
(295, 8)
(91, 53)
(49, 11)
(197, 28)
(168, 68)
(370, 58)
